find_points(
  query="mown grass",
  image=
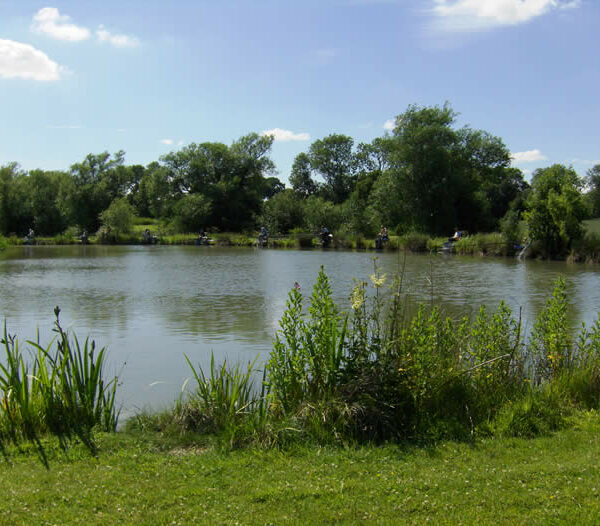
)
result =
(139, 480)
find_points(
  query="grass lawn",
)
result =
(134, 481)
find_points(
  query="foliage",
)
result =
(191, 213)
(555, 208)
(118, 216)
(62, 391)
(592, 182)
(306, 355)
(283, 212)
(222, 400)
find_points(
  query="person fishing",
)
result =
(263, 237)
(457, 235)
(382, 238)
(325, 235)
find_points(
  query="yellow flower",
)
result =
(377, 281)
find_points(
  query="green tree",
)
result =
(42, 192)
(436, 177)
(7, 174)
(119, 216)
(301, 176)
(191, 212)
(555, 208)
(284, 211)
(97, 182)
(334, 160)
(231, 178)
(592, 182)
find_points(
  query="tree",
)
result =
(8, 204)
(42, 192)
(300, 177)
(437, 177)
(271, 187)
(118, 216)
(555, 208)
(592, 181)
(284, 211)
(422, 157)
(232, 178)
(191, 212)
(98, 180)
(333, 159)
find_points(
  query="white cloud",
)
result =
(465, 15)
(167, 141)
(389, 125)
(116, 40)
(591, 162)
(528, 156)
(286, 135)
(50, 22)
(19, 60)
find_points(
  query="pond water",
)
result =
(152, 305)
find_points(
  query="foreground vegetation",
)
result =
(364, 415)
(143, 479)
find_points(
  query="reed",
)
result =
(60, 389)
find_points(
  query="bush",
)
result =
(119, 216)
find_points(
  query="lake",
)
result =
(150, 305)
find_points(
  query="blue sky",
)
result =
(83, 76)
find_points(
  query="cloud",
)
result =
(591, 162)
(116, 40)
(528, 156)
(19, 60)
(389, 125)
(469, 15)
(326, 55)
(50, 22)
(286, 135)
(167, 141)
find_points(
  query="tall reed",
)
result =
(61, 389)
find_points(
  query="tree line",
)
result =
(426, 175)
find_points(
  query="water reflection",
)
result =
(150, 305)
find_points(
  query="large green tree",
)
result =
(334, 160)
(555, 208)
(437, 177)
(233, 179)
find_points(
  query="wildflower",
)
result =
(377, 281)
(296, 285)
(358, 297)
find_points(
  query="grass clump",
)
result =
(61, 390)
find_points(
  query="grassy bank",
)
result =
(586, 249)
(141, 480)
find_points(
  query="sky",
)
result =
(147, 76)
